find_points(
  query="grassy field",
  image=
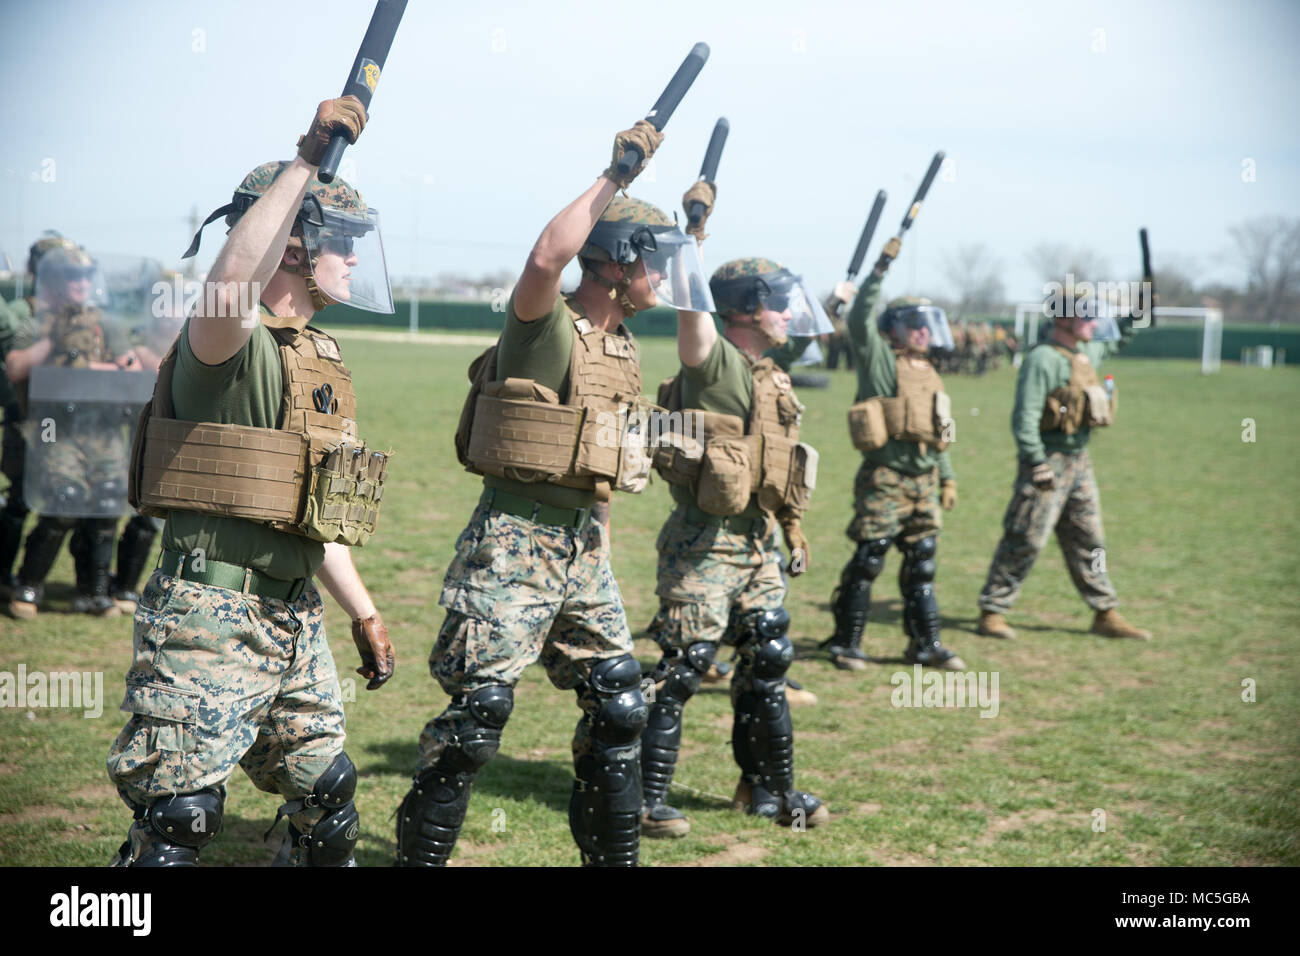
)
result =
(1202, 529)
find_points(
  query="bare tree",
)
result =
(1175, 285)
(1053, 261)
(1269, 247)
(973, 273)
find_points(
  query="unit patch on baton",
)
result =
(368, 74)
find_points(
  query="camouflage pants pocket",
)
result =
(465, 655)
(153, 754)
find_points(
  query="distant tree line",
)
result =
(1268, 248)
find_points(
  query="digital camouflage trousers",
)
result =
(1073, 510)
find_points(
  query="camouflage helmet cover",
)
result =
(51, 240)
(612, 238)
(337, 197)
(739, 285)
(65, 259)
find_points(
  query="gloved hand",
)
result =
(843, 293)
(707, 193)
(1043, 477)
(645, 138)
(344, 115)
(948, 494)
(796, 544)
(371, 637)
(887, 255)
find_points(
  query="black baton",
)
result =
(860, 253)
(365, 74)
(668, 100)
(709, 170)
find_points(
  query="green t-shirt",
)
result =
(877, 376)
(246, 389)
(722, 383)
(541, 350)
(1042, 372)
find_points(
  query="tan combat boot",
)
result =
(23, 610)
(798, 696)
(750, 797)
(664, 822)
(1109, 623)
(993, 624)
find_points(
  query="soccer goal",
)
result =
(1030, 320)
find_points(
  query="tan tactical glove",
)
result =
(344, 115)
(887, 255)
(371, 638)
(843, 293)
(1043, 477)
(796, 544)
(645, 138)
(948, 495)
(707, 193)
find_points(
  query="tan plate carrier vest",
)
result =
(76, 340)
(310, 477)
(920, 411)
(724, 460)
(593, 439)
(1080, 401)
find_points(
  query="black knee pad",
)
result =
(661, 739)
(623, 710)
(69, 496)
(868, 559)
(490, 707)
(182, 825)
(433, 810)
(765, 632)
(333, 837)
(605, 809)
(918, 563)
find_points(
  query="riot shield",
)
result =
(79, 428)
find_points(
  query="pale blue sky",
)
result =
(1066, 122)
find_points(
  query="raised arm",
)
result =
(555, 248)
(255, 246)
(564, 235)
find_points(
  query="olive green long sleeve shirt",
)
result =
(1043, 371)
(877, 376)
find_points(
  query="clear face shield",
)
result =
(348, 258)
(673, 268)
(920, 327)
(785, 292)
(1088, 308)
(66, 280)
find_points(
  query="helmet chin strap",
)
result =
(773, 341)
(306, 269)
(617, 290)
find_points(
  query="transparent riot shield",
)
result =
(79, 428)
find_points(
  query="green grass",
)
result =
(1201, 533)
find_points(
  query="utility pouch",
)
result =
(725, 480)
(1100, 412)
(342, 502)
(944, 425)
(867, 425)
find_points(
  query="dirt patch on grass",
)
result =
(733, 853)
(1018, 820)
